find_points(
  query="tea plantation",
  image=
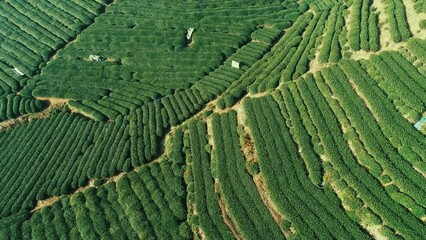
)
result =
(230, 119)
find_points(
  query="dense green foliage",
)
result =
(397, 19)
(246, 209)
(417, 48)
(401, 81)
(41, 142)
(363, 26)
(419, 6)
(317, 211)
(205, 199)
(232, 119)
(149, 204)
(331, 46)
(144, 63)
(30, 34)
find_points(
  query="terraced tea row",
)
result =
(212, 119)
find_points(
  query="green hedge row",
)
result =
(41, 31)
(149, 122)
(208, 213)
(324, 5)
(268, 68)
(12, 106)
(418, 48)
(419, 6)
(140, 205)
(380, 203)
(401, 79)
(300, 134)
(10, 58)
(246, 208)
(213, 42)
(266, 35)
(390, 120)
(299, 63)
(9, 81)
(401, 171)
(294, 52)
(45, 21)
(397, 20)
(368, 188)
(237, 88)
(330, 46)
(286, 178)
(42, 144)
(363, 28)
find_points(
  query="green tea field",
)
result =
(213, 119)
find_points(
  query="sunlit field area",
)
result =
(216, 119)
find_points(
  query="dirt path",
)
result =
(361, 54)
(257, 95)
(50, 201)
(250, 155)
(225, 212)
(45, 203)
(375, 231)
(273, 209)
(222, 204)
(74, 110)
(55, 101)
(261, 188)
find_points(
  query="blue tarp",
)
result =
(420, 123)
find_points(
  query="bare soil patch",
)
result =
(45, 203)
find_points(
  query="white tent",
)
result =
(189, 33)
(17, 71)
(235, 64)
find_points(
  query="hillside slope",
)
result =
(239, 119)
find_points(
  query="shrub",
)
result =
(422, 24)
